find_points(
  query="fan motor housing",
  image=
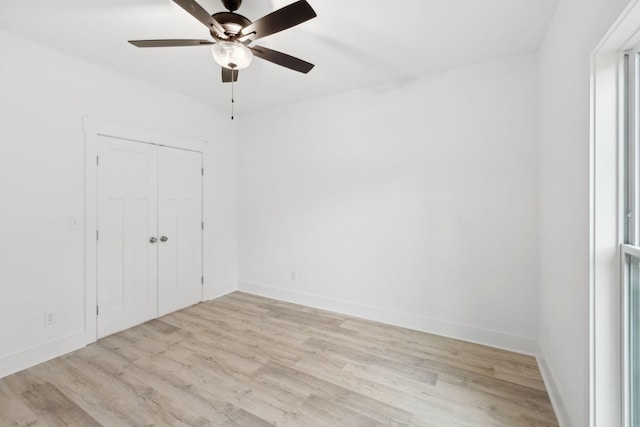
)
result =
(231, 22)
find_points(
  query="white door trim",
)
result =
(93, 129)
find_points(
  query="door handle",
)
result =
(164, 238)
(153, 240)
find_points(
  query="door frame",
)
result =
(95, 128)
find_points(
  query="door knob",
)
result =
(153, 240)
(164, 238)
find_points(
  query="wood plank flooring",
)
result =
(243, 360)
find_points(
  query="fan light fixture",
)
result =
(232, 55)
(232, 33)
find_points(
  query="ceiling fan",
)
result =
(233, 33)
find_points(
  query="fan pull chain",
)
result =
(232, 98)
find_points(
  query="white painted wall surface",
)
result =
(44, 95)
(415, 203)
(564, 199)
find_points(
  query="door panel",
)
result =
(180, 221)
(127, 219)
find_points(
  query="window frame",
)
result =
(606, 222)
(630, 248)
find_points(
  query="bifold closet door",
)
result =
(179, 228)
(127, 226)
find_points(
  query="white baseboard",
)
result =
(520, 344)
(39, 354)
(552, 391)
(27, 358)
(217, 291)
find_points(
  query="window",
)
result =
(631, 247)
(614, 392)
(634, 344)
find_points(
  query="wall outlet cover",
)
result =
(49, 317)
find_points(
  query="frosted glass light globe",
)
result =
(232, 55)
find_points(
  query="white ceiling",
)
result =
(354, 44)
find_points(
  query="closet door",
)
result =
(179, 229)
(127, 228)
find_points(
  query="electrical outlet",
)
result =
(294, 276)
(49, 317)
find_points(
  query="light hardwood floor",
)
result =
(251, 361)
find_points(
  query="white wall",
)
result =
(44, 95)
(415, 203)
(564, 199)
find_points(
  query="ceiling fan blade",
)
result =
(287, 17)
(169, 43)
(282, 59)
(229, 75)
(200, 14)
